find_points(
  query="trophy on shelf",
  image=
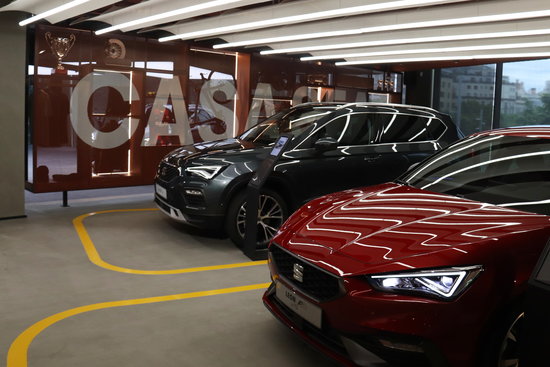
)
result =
(60, 47)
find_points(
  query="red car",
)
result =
(429, 270)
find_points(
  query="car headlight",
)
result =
(204, 171)
(445, 283)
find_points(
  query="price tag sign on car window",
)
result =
(268, 163)
(279, 145)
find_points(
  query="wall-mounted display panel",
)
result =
(106, 109)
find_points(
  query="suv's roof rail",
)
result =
(332, 103)
(389, 105)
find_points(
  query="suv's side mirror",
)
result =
(325, 144)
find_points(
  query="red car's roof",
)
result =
(536, 131)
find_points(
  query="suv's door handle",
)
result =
(372, 158)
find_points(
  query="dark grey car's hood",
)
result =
(230, 150)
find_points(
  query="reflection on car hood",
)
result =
(207, 148)
(391, 222)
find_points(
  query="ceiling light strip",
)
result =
(167, 14)
(446, 58)
(53, 11)
(356, 10)
(298, 37)
(404, 26)
(458, 21)
(432, 50)
(389, 42)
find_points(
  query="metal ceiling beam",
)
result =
(82, 9)
(155, 7)
(391, 20)
(40, 6)
(375, 26)
(525, 53)
(542, 43)
(286, 14)
(30, 5)
(489, 33)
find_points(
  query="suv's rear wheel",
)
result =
(272, 212)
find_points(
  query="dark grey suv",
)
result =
(335, 147)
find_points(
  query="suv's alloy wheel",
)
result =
(272, 212)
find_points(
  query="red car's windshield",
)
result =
(511, 171)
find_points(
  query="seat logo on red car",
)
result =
(298, 273)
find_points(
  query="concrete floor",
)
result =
(57, 308)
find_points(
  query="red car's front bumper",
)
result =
(344, 338)
(398, 328)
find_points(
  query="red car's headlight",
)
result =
(444, 283)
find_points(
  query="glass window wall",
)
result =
(525, 93)
(467, 94)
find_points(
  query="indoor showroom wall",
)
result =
(12, 120)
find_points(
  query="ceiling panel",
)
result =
(286, 14)
(40, 6)
(513, 43)
(261, 25)
(392, 21)
(505, 29)
(152, 9)
(459, 56)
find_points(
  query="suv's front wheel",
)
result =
(272, 212)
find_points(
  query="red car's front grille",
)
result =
(315, 283)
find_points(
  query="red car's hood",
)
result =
(391, 222)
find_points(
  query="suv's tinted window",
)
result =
(363, 128)
(352, 129)
(267, 131)
(410, 128)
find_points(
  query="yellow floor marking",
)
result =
(17, 354)
(95, 258)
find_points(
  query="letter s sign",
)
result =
(79, 109)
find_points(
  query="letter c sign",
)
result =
(79, 109)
